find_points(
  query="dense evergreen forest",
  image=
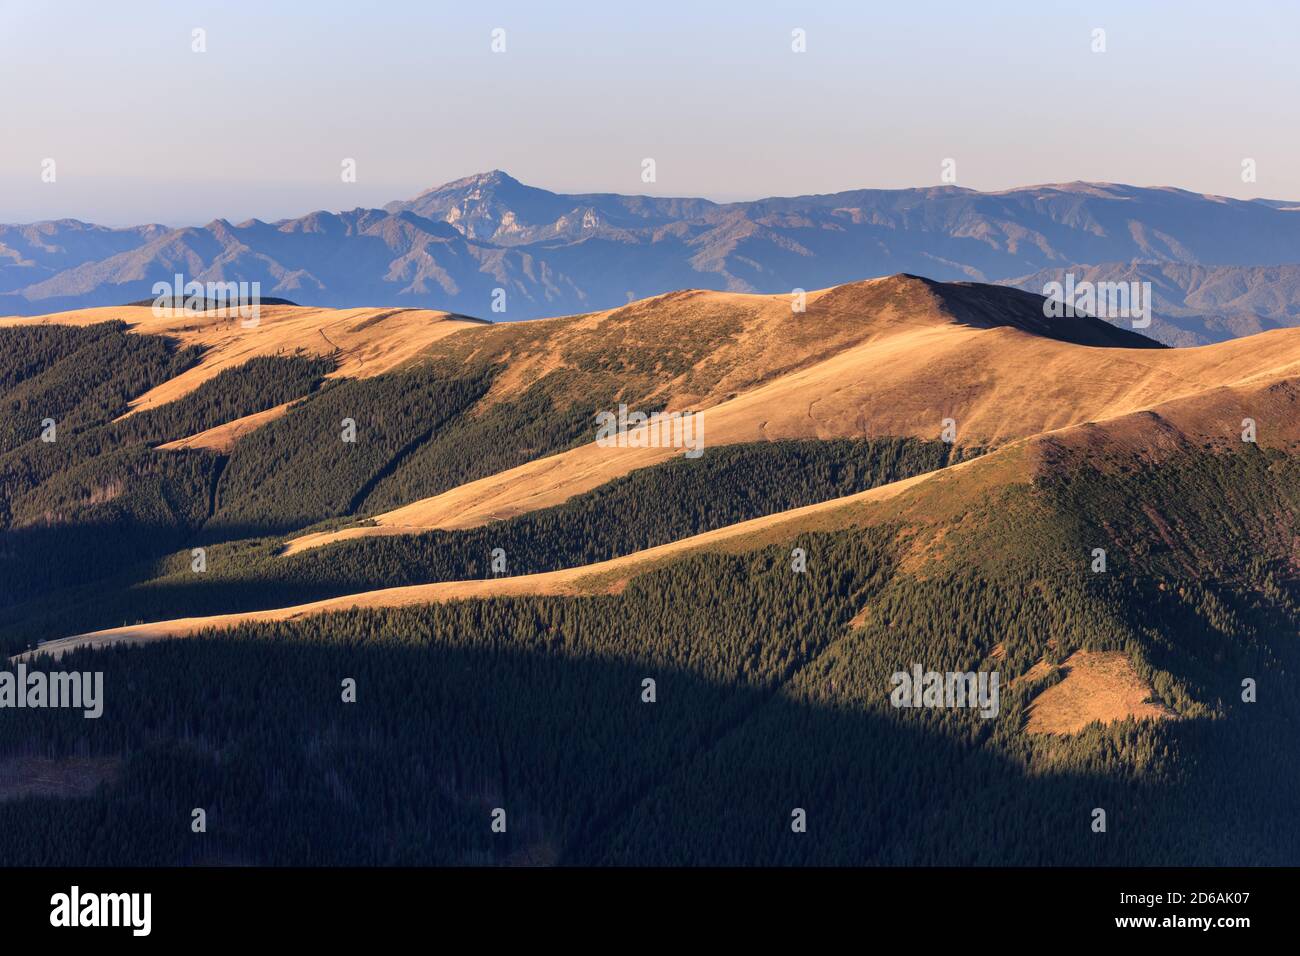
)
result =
(770, 690)
(766, 701)
(651, 506)
(125, 518)
(82, 492)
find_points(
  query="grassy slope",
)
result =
(768, 699)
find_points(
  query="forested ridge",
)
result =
(767, 700)
(770, 679)
(648, 507)
(82, 492)
(127, 518)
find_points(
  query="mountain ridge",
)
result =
(922, 503)
(452, 247)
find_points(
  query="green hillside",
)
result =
(767, 700)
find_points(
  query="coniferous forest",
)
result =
(684, 718)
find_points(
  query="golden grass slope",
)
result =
(882, 358)
(602, 577)
(915, 367)
(695, 348)
(927, 506)
(368, 341)
(222, 438)
(1098, 685)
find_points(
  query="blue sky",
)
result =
(144, 129)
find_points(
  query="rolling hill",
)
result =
(828, 537)
(927, 354)
(1205, 422)
(366, 342)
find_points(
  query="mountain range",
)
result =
(1219, 267)
(645, 657)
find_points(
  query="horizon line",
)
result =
(938, 187)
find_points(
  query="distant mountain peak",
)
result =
(453, 245)
(496, 177)
(493, 179)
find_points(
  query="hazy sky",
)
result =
(142, 128)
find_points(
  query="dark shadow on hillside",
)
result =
(255, 733)
(39, 559)
(990, 306)
(648, 507)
